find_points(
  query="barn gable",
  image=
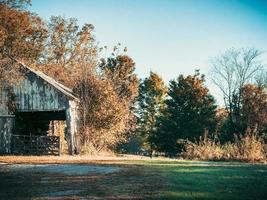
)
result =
(35, 93)
(38, 99)
(39, 92)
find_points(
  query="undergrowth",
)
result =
(249, 147)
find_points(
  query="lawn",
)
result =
(137, 178)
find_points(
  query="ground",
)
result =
(129, 178)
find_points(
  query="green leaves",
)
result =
(152, 94)
(190, 110)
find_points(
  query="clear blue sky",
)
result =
(169, 37)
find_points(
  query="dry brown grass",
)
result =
(248, 148)
(206, 148)
(65, 159)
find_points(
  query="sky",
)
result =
(169, 37)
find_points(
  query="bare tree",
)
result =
(261, 78)
(230, 72)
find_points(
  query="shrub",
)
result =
(249, 147)
(206, 148)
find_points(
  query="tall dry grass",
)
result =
(249, 148)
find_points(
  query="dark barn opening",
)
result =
(36, 123)
(34, 133)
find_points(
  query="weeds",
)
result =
(249, 147)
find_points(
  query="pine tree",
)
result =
(152, 93)
(190, 110)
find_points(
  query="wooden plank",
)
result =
(33, 93)
(6, 126)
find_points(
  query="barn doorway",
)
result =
(39, 133)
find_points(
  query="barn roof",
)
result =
(60, 87)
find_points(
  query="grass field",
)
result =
(138, 178)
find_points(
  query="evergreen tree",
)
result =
(152, 93)
(190, 110)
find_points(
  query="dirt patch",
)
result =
(65, 159)
(51, 181)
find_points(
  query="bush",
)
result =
(206, 148)
(249, 147)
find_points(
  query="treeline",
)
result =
(119, 111)
(173, 119)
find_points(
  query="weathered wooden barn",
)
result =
(37, 100)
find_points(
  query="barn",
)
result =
(27, 110)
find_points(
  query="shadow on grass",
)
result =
(144, 180)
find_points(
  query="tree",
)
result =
(22, 36)
(120, 71)
(18, 4)
(106, 92)
(71, 53)
(261, 78)
(230, 72)
(103, 114)
(107, 95)
(253, 108)
(190, 110)
(152, 94)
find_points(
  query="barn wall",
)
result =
(72, 121)
(6, 126)
(3, 101)
(35, 94)
(6, 123)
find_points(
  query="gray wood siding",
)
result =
(6, 126)
(35, 94)
(3, 101)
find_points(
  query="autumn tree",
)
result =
(70, 53)
(152, 94)
(231, 72)
(106, 91)
(253, 111)
(103, 114)
(119, 69)
(22, 36)
(190, 110)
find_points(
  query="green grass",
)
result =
(196, 180)
(145, 179)
(215, 182)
